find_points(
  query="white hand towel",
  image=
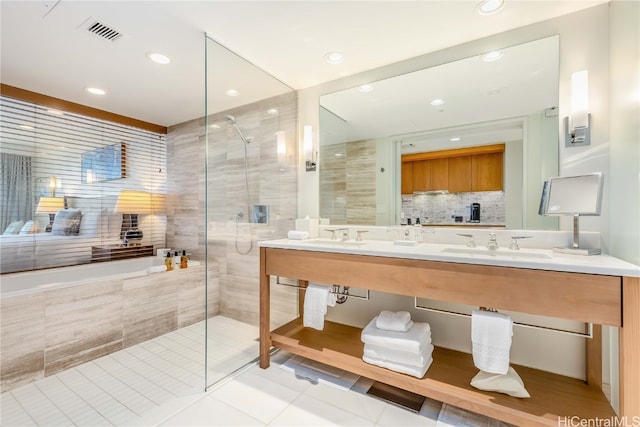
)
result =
(390, 321)
(491, 341)
(398, 356)
(297, 235)
(413, 340)
(315, 306)
(400, 367)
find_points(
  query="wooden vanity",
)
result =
(602, 299)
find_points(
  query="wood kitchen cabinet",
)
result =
(407, 178)
(458, 171)
(440, 174)
(460, 174)
(487, 172)
(422, 175)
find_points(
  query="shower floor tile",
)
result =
(139, 385)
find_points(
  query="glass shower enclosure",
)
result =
(250, 192)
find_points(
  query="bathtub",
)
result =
(58, 318)
(36, 280)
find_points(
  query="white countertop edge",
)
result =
(593, 264)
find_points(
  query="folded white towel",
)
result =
(297, 235)
(400, 367)
(315, 306)
(390, 321)
(491, 341)
(398, 356)
(413, 340)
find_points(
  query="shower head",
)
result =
(232, 121)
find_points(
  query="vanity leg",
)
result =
(265, 313)
(629, 351)
(594, 357)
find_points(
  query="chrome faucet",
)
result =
(345, 234)
(333, 232)
(493, 243)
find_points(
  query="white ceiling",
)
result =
(46, 49)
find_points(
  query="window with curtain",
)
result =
(16, 196)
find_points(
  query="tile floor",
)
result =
(159, 383)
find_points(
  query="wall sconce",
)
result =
(132, 203)
(50, 205)
(281, 147)
(309, 152)
(578, 126)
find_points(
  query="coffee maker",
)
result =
(475, 212)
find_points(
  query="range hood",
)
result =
(430, 192)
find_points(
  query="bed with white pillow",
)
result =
(25, 246)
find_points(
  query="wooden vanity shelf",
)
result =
(447, 380)
(577, 296)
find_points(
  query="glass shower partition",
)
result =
(250, 193)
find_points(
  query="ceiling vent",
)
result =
(103, 31)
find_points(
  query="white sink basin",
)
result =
(500, 252)
(334, 243)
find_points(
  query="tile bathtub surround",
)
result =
(270, 183)
(440, 208)
(51, 331)
(22, 337)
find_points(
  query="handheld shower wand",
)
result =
(232, 121)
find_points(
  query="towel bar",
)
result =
(588, 334)
(333, 290)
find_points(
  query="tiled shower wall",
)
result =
(442, 208)
(231, 241)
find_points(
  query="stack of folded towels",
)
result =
(393, 341)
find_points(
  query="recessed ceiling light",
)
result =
(27, 127)
(492, 56)
(159, 58)
(365, 88)
(437, 102)
(455, 138)
(272, 111)
(488, 7)
(55, 112)
(338, 155)
(95, 91)
(215, 126)
(334, 57)
(232, 92)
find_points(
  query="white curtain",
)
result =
(16, 190)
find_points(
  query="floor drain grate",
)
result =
(397, 396)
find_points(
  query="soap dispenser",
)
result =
(184, 260)
(168, 261)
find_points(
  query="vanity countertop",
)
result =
(537, 259)
(463, 224)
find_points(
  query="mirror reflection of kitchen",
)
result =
(427, 145)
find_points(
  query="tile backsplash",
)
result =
(442, 208)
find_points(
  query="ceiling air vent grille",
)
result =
(104, 31)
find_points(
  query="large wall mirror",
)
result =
(509, 98)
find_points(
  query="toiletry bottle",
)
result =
(176, 259)
(168, 261)
(184, 260)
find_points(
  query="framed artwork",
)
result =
(104, 164)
